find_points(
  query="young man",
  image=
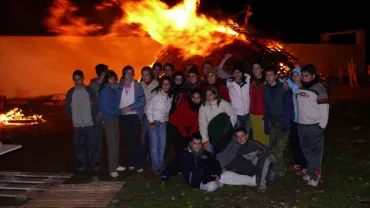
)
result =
(313, 115)
(157, 70)
(198, 167)
(168, 69)
(252, 158)
(278, 110)
(82, 107)
(96, 85)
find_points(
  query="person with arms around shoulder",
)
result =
(313, 115)
(198, 167)
(82, 107)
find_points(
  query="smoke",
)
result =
(35, 66)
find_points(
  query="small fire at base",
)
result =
(15, 117)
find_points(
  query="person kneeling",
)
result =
(199, 168)
(252, 159)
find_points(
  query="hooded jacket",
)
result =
(196, 168)
(295, 89)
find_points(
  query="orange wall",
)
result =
(33, 66)
(320, 54)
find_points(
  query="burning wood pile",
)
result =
(15, 117)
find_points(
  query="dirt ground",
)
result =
(48, 147)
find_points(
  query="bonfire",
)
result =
(15, 117)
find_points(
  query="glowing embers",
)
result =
(15, 117)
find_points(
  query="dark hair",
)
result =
(207, 62)
(214, 90)
(148, 69)
(257, 61)
(240, 129)
(272, 69)
(108, 74)
(169, 65)
(178, 73)
(100, 68)
(309, 68)
(157, 64)
(239, 66)
(196, 90)
(195, 136)
(77, 72)
(125, 69)
(161, 80)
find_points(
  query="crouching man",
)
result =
(199, 168)
(252, 161)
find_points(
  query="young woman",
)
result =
(148, 83)
(211, 107)
(212, 78)
(185, 120)
(194, 80)
(157, 112)
(109, 109)
(132, 109)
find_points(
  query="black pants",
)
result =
(129, 125)
(298, 156)
(178, 141)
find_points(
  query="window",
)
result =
(348, 38)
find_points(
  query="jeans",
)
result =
(98, 143)
(157, 137)
(245, 122)
(83, 142)
(298, 156)
(144, 140)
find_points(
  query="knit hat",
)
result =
(193, 70)
(239, 66)
(100, 68)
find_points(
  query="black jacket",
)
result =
(195, 169)
(242, 163)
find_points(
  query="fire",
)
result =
(180, 26)
(274, 45)
(17, 118)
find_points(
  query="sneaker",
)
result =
(313, 183)
(114, 174)
(262, 188)
(120, 168)
(306, 178)
(301, 172)
(294, 167)
(131, 168)
(140, 170)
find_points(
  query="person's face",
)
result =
(166, 85)
(207, 67)
(102, 75)
(296, 77)
(237, 74)
(307, 77)
(129, 76)
(211, 78)
(196, 98)
(210, 96)
(146, 76)
(156, 71)
(257, 70)
(270, 77)
(241, 137)
(178, 80)
(196, 145)
(168, 71)
(193, 78)
(112, 80)
(78, 80)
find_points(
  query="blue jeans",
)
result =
(158, 144)
(245, 122)
(144, 140)
(83, 142)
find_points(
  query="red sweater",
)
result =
(185, 117)
(223, 90)
(256, 107)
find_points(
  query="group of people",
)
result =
(224, 128)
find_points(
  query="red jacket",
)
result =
(185, 117)
(256, 107)
(222, 89)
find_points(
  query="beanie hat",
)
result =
(100, 68)
(193, 70)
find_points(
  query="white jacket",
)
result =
(158, 107)
(210, 110)
(148, 90)
(239, 96)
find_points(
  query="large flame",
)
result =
(16, 117)
(179, 26)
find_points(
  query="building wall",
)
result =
(328, 58)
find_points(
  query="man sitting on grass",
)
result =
(199, 168)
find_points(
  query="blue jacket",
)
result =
(295, 89)
(139, 103)
(109, 102)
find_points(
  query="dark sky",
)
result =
(302, 21)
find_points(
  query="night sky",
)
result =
(302, 21)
